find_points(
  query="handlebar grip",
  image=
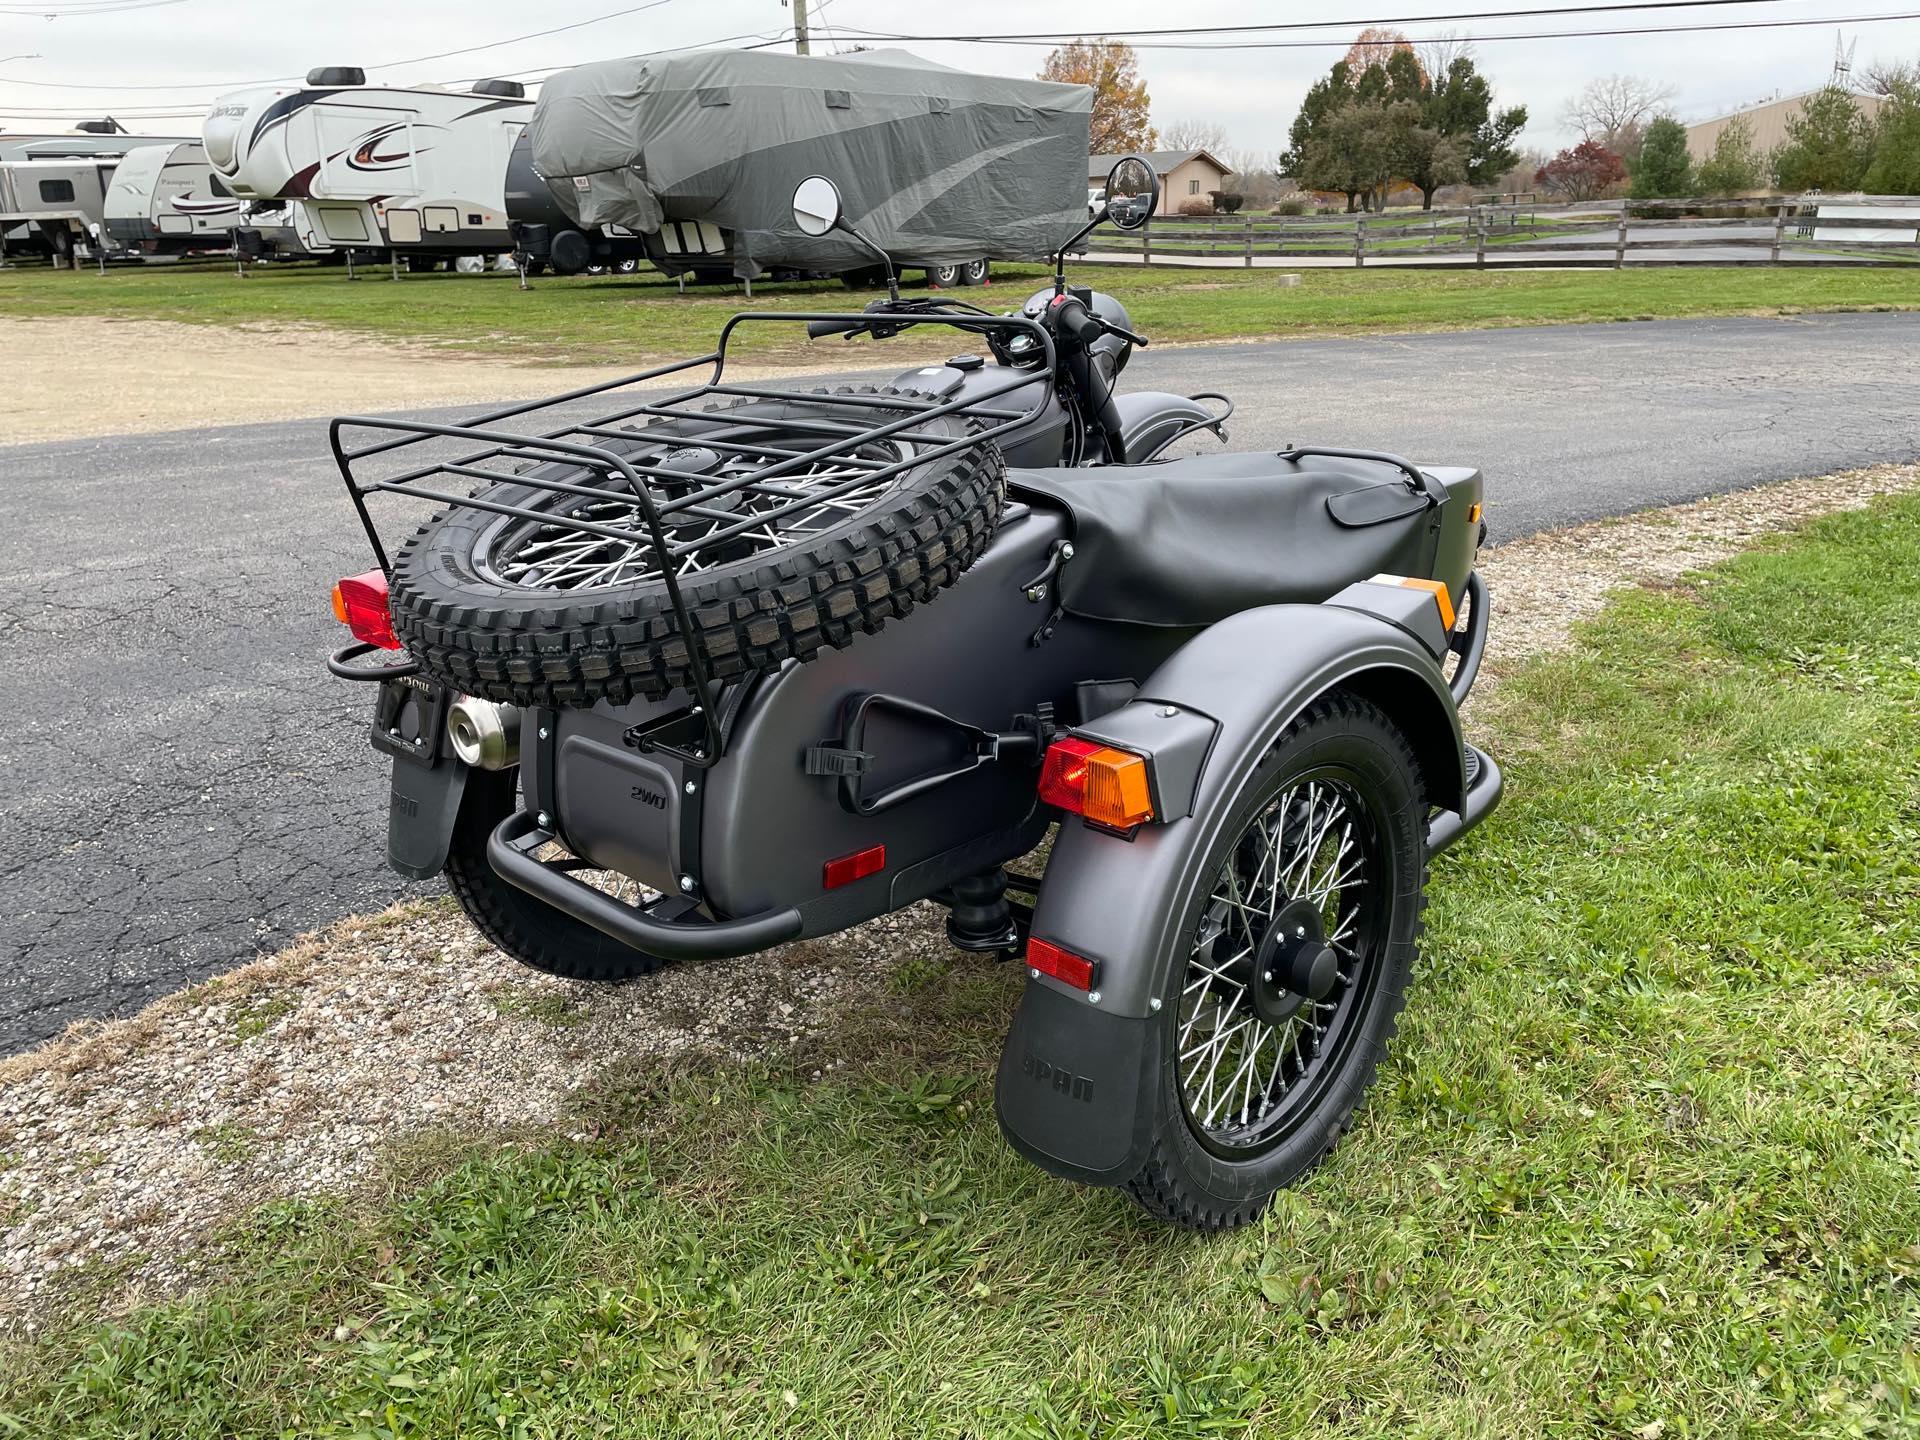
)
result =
(1076, 322)
(820, 329)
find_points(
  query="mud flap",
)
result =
(1075, 1089)
(421, 809)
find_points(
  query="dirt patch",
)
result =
(128, 1141)
(189, 376)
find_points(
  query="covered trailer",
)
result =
(547, 235)
(166, 200)
(699, 153)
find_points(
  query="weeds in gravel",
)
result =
(1645, 1160)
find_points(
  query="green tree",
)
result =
(1665, 171)
(1895, 169)
(1452, 133)
(1828, 144)
(1353, 152)
(1460, 107)
(1737, 164)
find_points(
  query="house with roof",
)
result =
(1184, 175)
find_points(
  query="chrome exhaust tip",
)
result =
(483, 734)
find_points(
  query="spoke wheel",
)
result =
(548, 556)
(1287, 940)
(1288, 967)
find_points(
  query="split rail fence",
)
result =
(1774, 230)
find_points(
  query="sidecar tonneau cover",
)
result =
(1189, 542)
(935, 166)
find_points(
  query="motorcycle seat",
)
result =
(1191, 541)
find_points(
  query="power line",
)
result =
(386, 65)
(1361, 22)
(157, 111)
(1068, 37)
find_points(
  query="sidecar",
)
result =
(1227, 685)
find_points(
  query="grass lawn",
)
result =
(641, 319)
(1645, 1159)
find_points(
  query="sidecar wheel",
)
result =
(529, 930)
(1292, 969)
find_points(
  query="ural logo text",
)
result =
(405, 805)
(1065, 1082)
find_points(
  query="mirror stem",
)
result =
(893, 282)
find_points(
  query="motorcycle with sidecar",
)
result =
(677, 672)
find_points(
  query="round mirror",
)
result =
(1133, 192)
(816, 205)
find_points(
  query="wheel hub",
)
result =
(1293, 964)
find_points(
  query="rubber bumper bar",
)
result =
(1484, 784)
(510, 851)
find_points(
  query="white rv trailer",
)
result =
(56, 207)
(419, 170)
(166, 200)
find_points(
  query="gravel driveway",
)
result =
(187, 787)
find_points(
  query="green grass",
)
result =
(1644, 1161)
(641, 319)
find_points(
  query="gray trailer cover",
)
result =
(934, 165)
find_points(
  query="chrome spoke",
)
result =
(1240, 1055)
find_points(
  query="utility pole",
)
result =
(800, 46)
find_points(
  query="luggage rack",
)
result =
(653, 492)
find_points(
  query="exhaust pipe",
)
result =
(483, 734)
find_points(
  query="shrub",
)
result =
(1196, 205)
(1228, 202)
(1292, 205)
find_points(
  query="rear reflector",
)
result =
(856, 866)
(1062, 965)
(360, 604)
(1107, 786)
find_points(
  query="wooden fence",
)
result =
(1768, 231)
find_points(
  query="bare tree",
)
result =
(1438, 54)
(1890, 77)
(1194, 135)
(1613, 111)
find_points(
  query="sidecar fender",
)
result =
(1073, 1092)
(1151, 418)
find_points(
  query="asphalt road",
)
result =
(186, 786)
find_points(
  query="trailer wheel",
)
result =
(1291, 970)
(526, 928)
(943, 277)
(536, 613)
(974, 272)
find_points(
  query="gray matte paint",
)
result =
(1116, 901)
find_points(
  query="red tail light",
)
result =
(1106, 785)
(360, 604)
(1062, 965)
(857, 866)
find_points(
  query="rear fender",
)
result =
(423, 804)
(1118, 902)
(1150, 419)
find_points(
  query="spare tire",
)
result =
(519, 611)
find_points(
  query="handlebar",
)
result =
(820, 329)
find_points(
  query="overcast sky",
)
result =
(210, 45)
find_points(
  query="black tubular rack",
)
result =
(499, 455)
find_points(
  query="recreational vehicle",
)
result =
(547, 236)
(55, 207)
(698, 151)
(166, 200)
(420, 170)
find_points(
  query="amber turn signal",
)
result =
(1106, 785)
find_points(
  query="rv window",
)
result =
(219, 187)
(56, 192)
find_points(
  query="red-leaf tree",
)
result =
(1586, 172)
